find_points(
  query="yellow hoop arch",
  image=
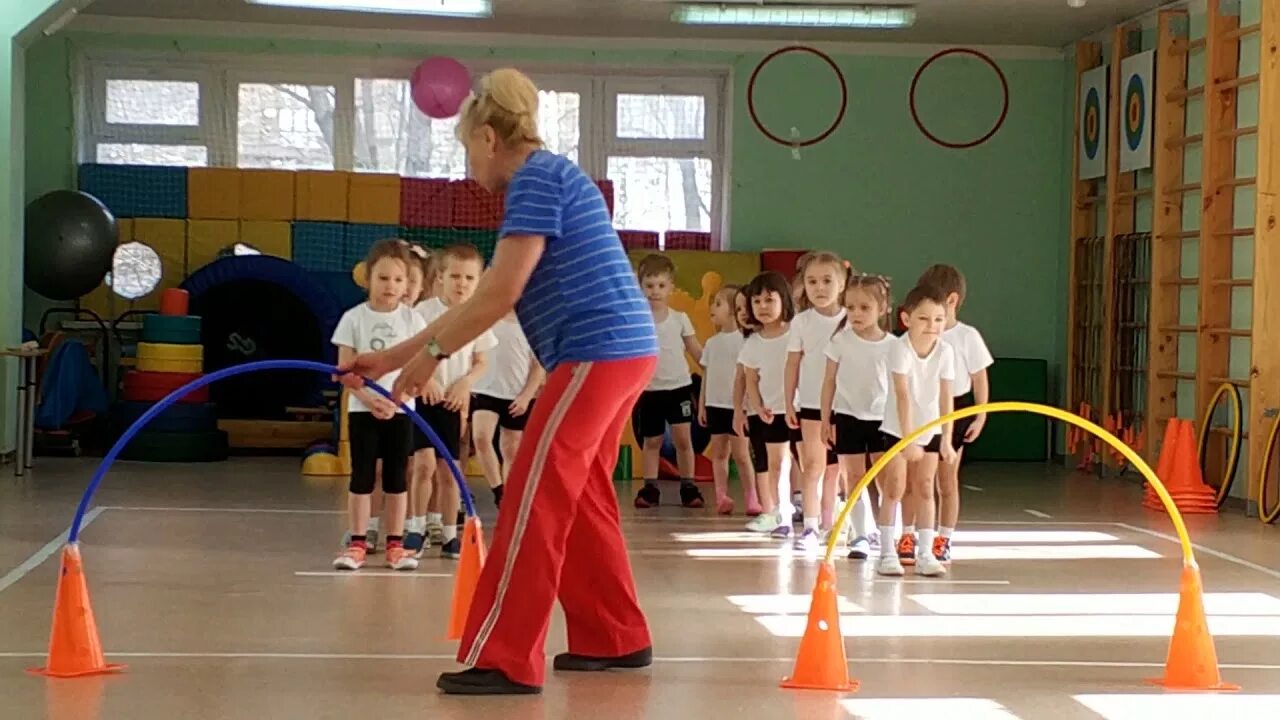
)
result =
(1237, 426)
(1268, 516)
(1188, 553)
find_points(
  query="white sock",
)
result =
(811, 523)
(946, 532)
(450, 532)
(908, 530)
(374, 522)
(417, 523)
(886, 533)
(926, 542)
(435, 519)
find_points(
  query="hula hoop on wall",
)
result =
(1004, 85)
(1233, 457)
(1268, 454)
(751, 97)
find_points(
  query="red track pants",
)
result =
(561, 511)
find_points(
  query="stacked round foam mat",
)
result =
(170, 356)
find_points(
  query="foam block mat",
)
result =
(266, 195)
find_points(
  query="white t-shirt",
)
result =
(810, 333)
(862, 380)
(924, 375)
(768, 356)
(672, 372)
(459, 363)
(366, 330)
(720, 358)
(972, 355)
(509, 362)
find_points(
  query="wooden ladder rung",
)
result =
(1086, 200)
(1233, 282)
(1184, 93)
(1219, 430)
(1172, 375)
(1230, 381)
(1181, 282)
(1240, 182)
(1184, 140)
(1178, 328)
(1185, 234)
(1233, 83)
(1239, 132)
(1242, 31)
(1189, 187)
(1238, 232)
(1231, 332)
(1136, 192)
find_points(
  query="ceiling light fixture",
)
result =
(796, 15)
(442, 8)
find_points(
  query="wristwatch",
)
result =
(434, 349)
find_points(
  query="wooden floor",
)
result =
(213, 583)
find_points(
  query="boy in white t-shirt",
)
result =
(502, 402)
(447, 399)
(378, 430)
(669, 399)
(921, 370)
(970, 388)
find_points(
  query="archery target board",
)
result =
(1138, 111)
(1093, 123)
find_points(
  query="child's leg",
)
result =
(854, 466)
(892, 484)
(830, 484)
(424, 479)
(921, 478)
(450, 501)
(718, 450)
(509, 441)
(740, 450)
(949, 495)
(779, 462)
(483, 426)
(365, 447)
(682, 437)
(650, 454)
(813, 464)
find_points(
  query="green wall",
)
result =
(877, 190)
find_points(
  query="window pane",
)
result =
(662, 117)
(153, 102)
(661, 194)
(142, 154)
(559, 121)
(135, 271)
(393, 136)
(286, 126)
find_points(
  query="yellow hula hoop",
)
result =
(1188, 554)
(1268, 454)
(1237, 427)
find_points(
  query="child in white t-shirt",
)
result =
(716, 403)
(824, 275)
(669, 398)
(447, 398)
(378, 430)
(854, 393)
(503, 400)
(764, 362)
(921, 370)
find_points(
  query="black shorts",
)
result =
(501, 408)
(658, 408)
(934, 446)
(447, 424)
(759, 454)
(373, 440)
(420, 441)
(859, 437)
(772, 433)
(719, 421)
(797, 435)
(961, 426)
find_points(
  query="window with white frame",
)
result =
(658, 139)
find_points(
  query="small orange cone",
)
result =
(74, 647)
(464, 584)
(1193, 662)
(1164, 464)
(821, 663)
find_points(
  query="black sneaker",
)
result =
(415, 542)
(497, 496)
(648, 497)
(691, 496)
(570, 662)
(483, 682)
(452, 549)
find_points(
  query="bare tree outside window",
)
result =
(655, 193)
(285, 126)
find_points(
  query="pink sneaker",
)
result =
(724, 505)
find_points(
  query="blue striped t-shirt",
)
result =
(582, 302)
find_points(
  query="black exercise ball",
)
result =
(71, 240)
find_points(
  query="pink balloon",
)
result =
(439, 85)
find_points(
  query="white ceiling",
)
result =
(1045, 23)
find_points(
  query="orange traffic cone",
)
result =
(1164, 465)
(1186, 486)
(464, 585)
(1193, 662)
(821, 663)
(74, 647)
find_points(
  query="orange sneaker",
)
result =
(942, 549)
(352, 558)
(907, 549)
(400, 559)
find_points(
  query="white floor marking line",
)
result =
(974, 488)
(893, 581)
(46, 552)
(368, 573)
(671, 660)
(1202, 549)
(247, 511)
(1036, 513)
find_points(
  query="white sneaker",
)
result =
(928, 565)
(889, 565)
(763, 523)
(859, 549)
(808, 541)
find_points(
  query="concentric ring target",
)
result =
(1135, 116)
(1004, 87)
(751, 96)
(1092, 120)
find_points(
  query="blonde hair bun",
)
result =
(508, 103)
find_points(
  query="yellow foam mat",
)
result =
(102, 300)
(213, 193)
(169, 351)
(169, 239)
(322, 195)
(270, 238)
(207, 238)
(266, 195)
(375, 199)
(170, 366)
